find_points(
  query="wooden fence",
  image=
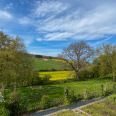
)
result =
(56, 102)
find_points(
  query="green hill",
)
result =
(49, 64)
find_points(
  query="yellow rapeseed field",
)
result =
(57, 75)
(62, 60)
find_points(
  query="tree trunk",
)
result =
(15, 84)
(4, 92)
(113, 77)
(77, 76)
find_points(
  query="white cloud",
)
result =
(39, 39)
(43, 8)
(60, 21)
(21, 2)
(58, 36)
(25, 20)
(9, 6)
(5, 15)
(99, 42)
(96, 23)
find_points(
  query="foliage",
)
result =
(15, 96)
(45, 101)
(46, 78)
(107, 59)
(112, 97)
(66, 100)
(1, 98)
(13, 104)
(79, 53)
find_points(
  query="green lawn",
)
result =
(39, 64)
(106, 107)
(57, 91)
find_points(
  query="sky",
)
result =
(48, 26)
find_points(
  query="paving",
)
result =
(72, 107)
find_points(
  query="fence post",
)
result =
(66, 91)
(114, 87)
(102, 88)
(85, 94)
(105, 90)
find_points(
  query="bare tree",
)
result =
(80, 53)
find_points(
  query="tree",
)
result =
(11, 51)
(26, 63)
(5, 59)
(80, 53)
(107, 58)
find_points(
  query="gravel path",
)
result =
(70, 106)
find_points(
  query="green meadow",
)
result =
(57, 90)
(50, 64)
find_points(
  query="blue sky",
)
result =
(47, 26)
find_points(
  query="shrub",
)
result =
(1, 99)
(112, 97)
(15, 96)
(45, 101)
(71, 96)
(66, 100)
(13, 108)
(13, 104)
(53, 69)
(85, 95)
(83, 74)
(46, 79)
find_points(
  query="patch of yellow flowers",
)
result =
(62, 60)
(57, 75)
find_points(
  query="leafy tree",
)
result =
(80, 53)
(5, 59)
(26, 63)
(18, 48)
(107, 58)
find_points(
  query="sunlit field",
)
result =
(49, 64)
(62, 60)
(57, 75)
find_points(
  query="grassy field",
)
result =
(57, 91)
(39, 64)
(102, 108)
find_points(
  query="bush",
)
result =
(66, 100)
(15, 96)
(83, 74)
(71, 96)
(85, 95)
(13, 108)
(53, 69)
(13, 104)
(46, 79)
(45, 101)
(113, 97)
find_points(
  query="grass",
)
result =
(106, 107)
(57, 91)
(39, 64)
(65, 113)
